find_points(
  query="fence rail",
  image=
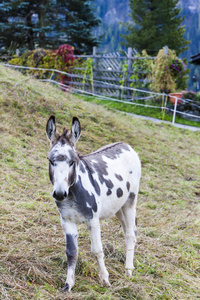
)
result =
(108, 68)
(106, 85)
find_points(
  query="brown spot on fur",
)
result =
(131, 199)
(128, 186)
(119, 192)
(109, 192)
(119, 177)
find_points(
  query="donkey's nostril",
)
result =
(65, 195)
(59, 195)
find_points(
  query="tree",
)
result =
(23, 23)
(47, 23)
(79, 22)
(156, 23)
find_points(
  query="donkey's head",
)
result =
(63, 159)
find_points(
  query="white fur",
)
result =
(124, 171)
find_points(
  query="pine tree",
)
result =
(80, 19)
(156, 23)
(47, 23)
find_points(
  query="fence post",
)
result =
(95, 67)
(129, 69)
(175, 106)
(166, 50)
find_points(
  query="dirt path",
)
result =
(192, 128)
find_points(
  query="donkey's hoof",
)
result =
(106, 282)
(66, 288)
(128, 273)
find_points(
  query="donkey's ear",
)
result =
(51, 129)
(75, 130)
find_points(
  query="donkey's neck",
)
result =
(84, 199)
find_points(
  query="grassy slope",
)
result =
(32, 248)
(142, 110)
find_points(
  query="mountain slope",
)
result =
(115, 13)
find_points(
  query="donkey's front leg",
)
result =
(71, 236)
(97, 249)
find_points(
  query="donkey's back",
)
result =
(116, 170)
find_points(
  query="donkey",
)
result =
(90, 188)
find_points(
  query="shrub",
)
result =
(41, 58)
(169, 72)
(190, 104)
(64, 57)
(179, 73)
(190, 95)
(142, 68)
(198, 97)
(61, 59)
(64, 61)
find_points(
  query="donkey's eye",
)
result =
(71, 163)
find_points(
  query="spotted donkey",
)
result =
(90, 188)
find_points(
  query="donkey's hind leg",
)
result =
(120, 216)
(129, 212)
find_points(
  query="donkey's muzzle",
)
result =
(59, 196)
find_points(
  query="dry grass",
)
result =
(32, 249)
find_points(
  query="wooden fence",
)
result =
(110, 75)
(107, 77)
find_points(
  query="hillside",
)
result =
(32, 247)
(113, 14)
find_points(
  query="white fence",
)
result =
(139, 97)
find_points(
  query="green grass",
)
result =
(141, 110)
(32, 247)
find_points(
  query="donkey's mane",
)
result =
(101, 150)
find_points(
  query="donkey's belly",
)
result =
(111, 204)
(123, 182)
